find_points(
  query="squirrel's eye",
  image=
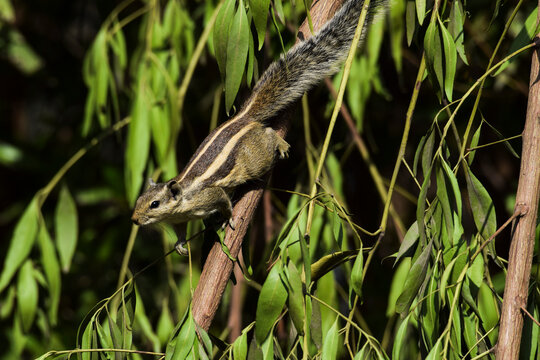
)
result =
(154, 204)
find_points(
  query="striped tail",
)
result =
(308, 62)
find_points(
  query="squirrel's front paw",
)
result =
(180, 247)
(283, 149)
(229, 222)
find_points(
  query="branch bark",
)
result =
(523, 234)
(218, 266)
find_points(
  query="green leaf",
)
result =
(51, 267)
(105, 337)
(331, 341)
(356, 274)
(221, 33)
(8, 302)
(396, 287)
(450, 60)
(315, 322)
(414, 280)
(421, 10)
(206, 342)
(482, 208)
(267, 348)
(259, 10)
(337, 227)
(409, 240)
(329, 262)
(444, 196)
(250, 61)
(444, 280)
(271, 300)
(410, 20)
(421, 207)
(455, 26)
(89, 341)
(118, 47)
(427, 154)
(469, 334)
(237, 51)
(27, 295)
(488, 309)
(397, 10)
(306, 257)
(278, 6)
(296, 298)
(240, 347)
(400, 338)
(435, 352)
(185, 339)
(474, 143)
(434, 58)
(475, 272)
(21, 243)
(456, 192)
(66, 226)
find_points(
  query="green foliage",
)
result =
(322, 286)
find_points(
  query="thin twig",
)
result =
(530, 316)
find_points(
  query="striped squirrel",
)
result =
(245, 147)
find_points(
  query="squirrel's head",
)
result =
(157, 202)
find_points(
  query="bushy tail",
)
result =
(308, 62)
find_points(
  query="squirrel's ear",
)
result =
(151, 182)
(174, 188)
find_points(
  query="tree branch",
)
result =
(523, 236)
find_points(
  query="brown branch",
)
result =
(218, 266)
(530, 316)
(522, 246)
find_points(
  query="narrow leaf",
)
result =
(455, 26)
(27, 295)
(409, 240)
(221, 33)
(433, 50)
(474, 143)
(66, 226)
(296, 298)
(271, 300)
(331, 341)
(240, 347)
(21, 243)
(450, 61)
(400, 338)
(421, 10)
(52, 271)
(410, 20)
(482, 208)
(259, 10)
(356, 273)
(415, 278)
(237, 51)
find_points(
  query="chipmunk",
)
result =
(245, 147)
